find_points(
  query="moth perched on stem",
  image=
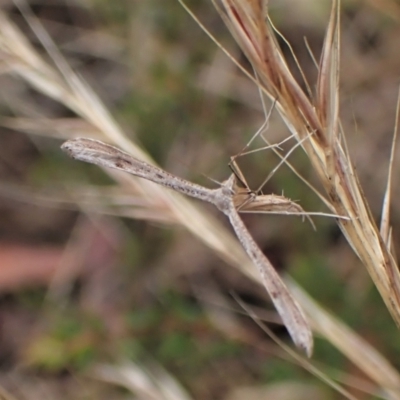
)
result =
(224, 198)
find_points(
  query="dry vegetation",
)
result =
(94, 294)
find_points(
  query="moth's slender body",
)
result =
(225, 199)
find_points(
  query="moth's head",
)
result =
(229, 186)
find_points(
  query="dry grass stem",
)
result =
(66, 87)
(149, 380)
(385, 228)
(319, 121)
(306, 364)
(358, 350)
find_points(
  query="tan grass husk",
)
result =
(319, 120)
